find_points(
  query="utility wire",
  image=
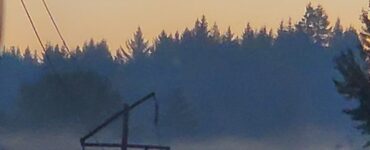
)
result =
(38, 37)
(33, 26)
(55, 25)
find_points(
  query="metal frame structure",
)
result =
(124, 145)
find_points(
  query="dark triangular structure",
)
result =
(124, 145)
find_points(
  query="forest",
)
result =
(263, 83)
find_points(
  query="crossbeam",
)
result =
(125, 113)
(114, 117)
(114, 145)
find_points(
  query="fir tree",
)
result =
(215, 34)
(138, 46)
(248, 36)
(201, 30)
(316, 24)
(28, 57)
(355, 83)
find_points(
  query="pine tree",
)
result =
(337, 39)
(138, 46)
(355, 80)
(28, 57)
(365, 35)
(164, 41)
(290, 25)
(215, 33)
(264, 39)
(229, 41)
(187, 37)
(201, 30)
(323, 29)
(316, 24)
(228, 37)
(281, 29)
(338, 29)
(247, 37)
(119, 58)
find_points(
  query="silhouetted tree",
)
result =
(229, 40)
(354, 84)
(316, 24)
(215, 34)
(201, 31)
(28, 58)
(248, 37)
(138, 46)
(120, 57)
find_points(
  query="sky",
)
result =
(117, 20)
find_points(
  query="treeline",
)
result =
(207, 81)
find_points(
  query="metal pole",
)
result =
(125, 130)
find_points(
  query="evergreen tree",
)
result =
(28, 58)
(354, 84)
(228, 40)
(138, 46)
(119, 58)
(164, 42)
(316, 24)
(365, 35)
(201, 30)
(215, 34)
(338, 42)
(264, 39)
(323, 29)
(338, 29)
(290, 25)
(248, 37)
(187, 37)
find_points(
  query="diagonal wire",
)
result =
(38, 37)
(55, 25)
(33, 26)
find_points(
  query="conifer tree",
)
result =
(247, 37)
(338, 29)
(365, 35)
(201, 30)
(119, 58)
(316, 24)
(355, 83)
(215, 33)
(28, 57)
(323, 29)
(228, 37)
(138, 46)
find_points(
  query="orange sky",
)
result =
(116, 20)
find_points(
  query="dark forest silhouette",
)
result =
(209, 83)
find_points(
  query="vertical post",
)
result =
(125, 129)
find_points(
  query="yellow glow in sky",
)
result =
(116, 20)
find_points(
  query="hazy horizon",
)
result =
(117, 20)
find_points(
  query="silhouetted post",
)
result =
(126, 118)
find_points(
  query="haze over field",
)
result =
(217, 88)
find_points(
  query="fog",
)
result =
(215, 90)
(307, 139)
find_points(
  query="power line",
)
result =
(55, 25)
(33, 26)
